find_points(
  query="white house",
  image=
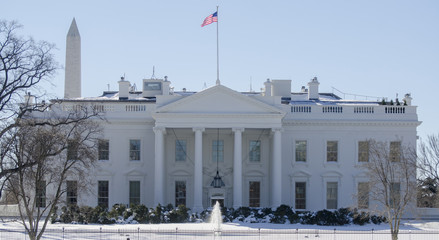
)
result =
(257, 149)
(244, 149)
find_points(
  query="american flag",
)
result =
(210, 19)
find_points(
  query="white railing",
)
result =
(102, 107)
(363, 109)
(353, 111)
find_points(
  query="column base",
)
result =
(197, 209)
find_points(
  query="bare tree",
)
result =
(428, 157)
(24, 64)
(392, 173)
(46, 156)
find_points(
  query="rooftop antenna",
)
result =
(153, 72)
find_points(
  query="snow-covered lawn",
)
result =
(410, 230)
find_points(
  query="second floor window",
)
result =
(395, 151)
(72, 150)
(104, 149)
(332, 151)
(218, 150)
(180, 150)
(363, 151)
(300, 151)
(255, 151)
(135, 150)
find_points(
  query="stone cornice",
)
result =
(348, 123)
(217, 115)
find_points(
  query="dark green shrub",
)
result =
(378, 219)
(242, 212)
(54, 215)
(360, 218)
(343, 216)
(141, 213)
(325, 218)
(280, 215)
(308, 218)
(86, 215)
(179, 215)
(117, 210)
(156, 215)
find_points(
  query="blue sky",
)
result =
(374, 47)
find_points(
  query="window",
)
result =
(72, 192)
(395, 194)
(135, 150)
(134, 192)
(103, 194)
(218, 150)
(180, 193)
(254, 194)
(363, 151)
(152, 86)
(331, 195)
(72, 150)
(331, 151)
(300, 151)
(104, 149)
(180, 150)
(255, 151)
(40, 194)
(363, 195)
(300, 195)
(395, 151)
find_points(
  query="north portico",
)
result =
(203, 119)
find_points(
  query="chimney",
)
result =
(313, 89)
(407, 99)
(29, 99)
(267, 85)
(124, 88)
(166, 88)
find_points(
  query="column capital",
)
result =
(159, 129)
(277, 129)
(196, 129)
(238, 129)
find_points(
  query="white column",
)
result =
(198, 170)
(237, 168)
(159, 166)
(276, 169)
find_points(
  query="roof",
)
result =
(297, 98)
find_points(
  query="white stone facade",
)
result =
(273, 147)
(277, 123)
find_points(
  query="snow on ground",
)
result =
(413, 230)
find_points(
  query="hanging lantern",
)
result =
(217, 181)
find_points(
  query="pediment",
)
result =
(219, 100)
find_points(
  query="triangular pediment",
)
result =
(219, 100)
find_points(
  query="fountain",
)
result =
(216, 218)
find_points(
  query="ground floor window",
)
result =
(103, 194)
(180, 193)
(72, 192)
(134, 192)
(363, 195)
(40, 194)
(300, 191)
(331, 195)
(254, 194)
(395, 194)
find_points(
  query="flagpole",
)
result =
(217, 50)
